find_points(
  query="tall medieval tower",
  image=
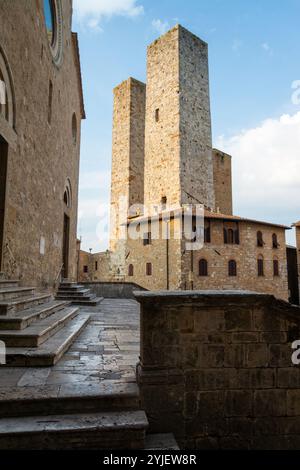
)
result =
(178, 144)
(127, 182)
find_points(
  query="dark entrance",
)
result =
(291, 253)
(3, 173)
(65, 269)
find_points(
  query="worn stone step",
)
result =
(24, 318)
(39, 332)
(74, 293)
(91, 301)
(4, 283)
(106, 430)
(161, 442)
(8, 293)
(12, 306)
(51, 350)
(32, 400)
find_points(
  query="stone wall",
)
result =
(113, 290)
(216, 369)
(222, 182)
(298, 250)
(98, 266)
(43, 144)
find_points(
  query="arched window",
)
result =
(7, 102)
(232, 270)
(274, 241)
(260, 240)
(68, 194)
(203, 267)
(230, 236)
(148, 269)
(130, 270)
(260, 265)
(49, 13)
(275, 267)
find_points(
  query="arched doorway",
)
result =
(67, 200)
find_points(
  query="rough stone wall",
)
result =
(178, 160)
(41, 156)
(216, 369)
(222, 182)
(245, 254)
(127, 179)
(98, 266)
(157, 254)
(217, 255)
(196, 165)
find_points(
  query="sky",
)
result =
(254, 61)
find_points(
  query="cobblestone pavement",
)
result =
(105, 353)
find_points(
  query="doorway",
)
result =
(3, 176)
(66, 240)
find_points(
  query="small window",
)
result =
(260, 240)
(148, 269)
(164, 202)
(231, 236)
(50, 96)
(74, 128)
(130, 270)
(275, 243)
(275, 267)
(203, 267)
(49, 14)
(147, 239)
(96, 265)
(85, 269)
(207, 231)
(157, 115)
(260, 266)
(232, 270)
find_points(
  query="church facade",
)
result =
(40, 121)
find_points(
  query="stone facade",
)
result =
(165, 256)
(222, 182)
(43, 141)
(216, 369)
(94, 266)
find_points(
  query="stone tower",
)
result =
(178, 147)
(127, 181)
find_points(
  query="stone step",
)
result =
(11, 293)
(17, 305)
(24, 318)
(4, 283)
(32, 400)
(74, 293)
(106, 430)
(91, 301)
(51, 350)
(39, 332)
(161, 442)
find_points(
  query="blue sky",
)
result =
(254, 58)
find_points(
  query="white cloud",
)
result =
(266, 169)
(266, 47)
(91, 12)
(160, 26)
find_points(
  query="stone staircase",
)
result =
(77, 294)
(35, 328)
(108, 418)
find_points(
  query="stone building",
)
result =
(40, 125)
(163, 159)
(297, 228)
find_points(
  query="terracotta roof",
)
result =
(78, 68)
(210, 215)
